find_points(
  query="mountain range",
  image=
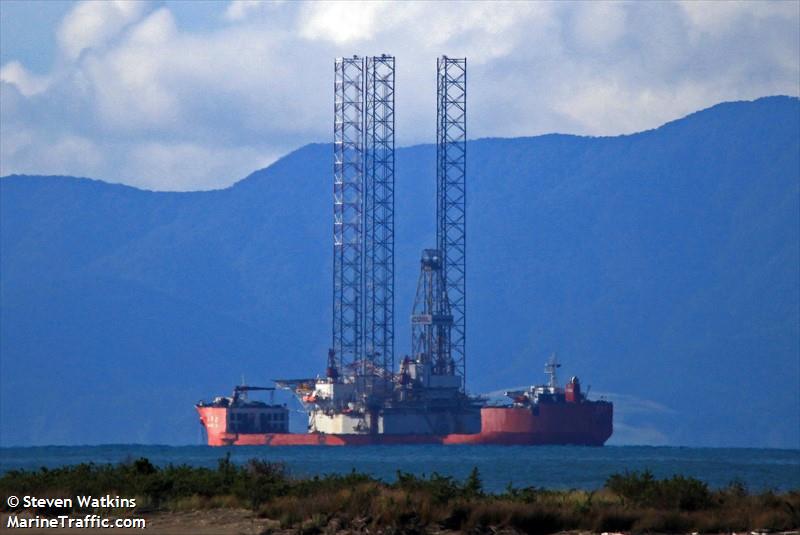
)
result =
(662, 267)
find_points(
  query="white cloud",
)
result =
(239, 10)
(600, 24)
(151, 92)
(28, 84)
(166, 166)
(14, 142)
(130, 80)
(190, 166)
(35, 154)
(615, 108)
(714, 17)
(92, 24)
(343, 22)
(481, 30)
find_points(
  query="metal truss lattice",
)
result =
(431, 321)
(451, 156)
(379, 129)
(348, 214)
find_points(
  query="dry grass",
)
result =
(634, 502)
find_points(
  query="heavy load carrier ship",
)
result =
(363, 398)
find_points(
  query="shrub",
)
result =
(677, 492)
(631, 501)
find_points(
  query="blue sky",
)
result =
(185, 95)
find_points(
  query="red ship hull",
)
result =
(588, 424)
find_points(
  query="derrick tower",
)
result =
(438, 319)
(431, 321)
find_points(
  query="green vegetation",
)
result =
(632, 501)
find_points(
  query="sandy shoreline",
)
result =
(221, 521)
(226, 521)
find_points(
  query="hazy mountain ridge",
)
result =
(661, 265)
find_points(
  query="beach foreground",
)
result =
(262, 497)
(222, 521)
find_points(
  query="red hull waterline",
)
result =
(586, 424)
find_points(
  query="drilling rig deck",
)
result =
(363, 397)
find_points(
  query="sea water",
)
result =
(554, 467)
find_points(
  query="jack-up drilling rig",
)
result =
(362, 399)
(361, 393)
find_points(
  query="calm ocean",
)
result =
(541, 466)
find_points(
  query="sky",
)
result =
(196, 95)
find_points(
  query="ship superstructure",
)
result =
(425, 397)
(239, 414)
(365, 397)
